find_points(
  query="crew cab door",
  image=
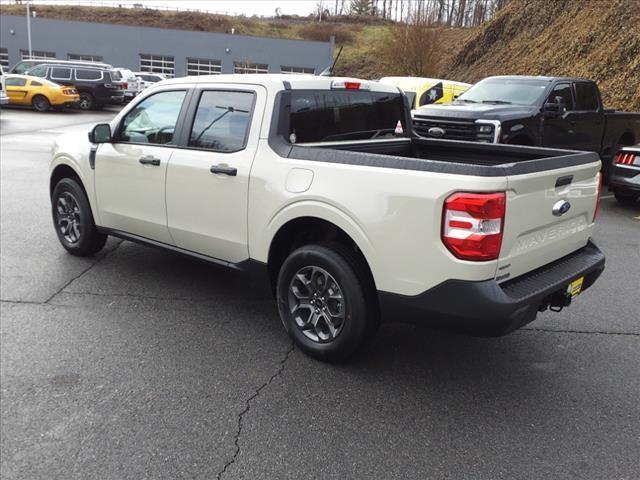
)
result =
(208, 179)
(130, 172)
(587, 120)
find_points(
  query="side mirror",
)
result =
(551, 109)
(101, 133)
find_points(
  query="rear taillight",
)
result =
(595, 213)
(627, 158)
(473, 224)
(125, 85)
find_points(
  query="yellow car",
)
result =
(423, 91)
(40, 93)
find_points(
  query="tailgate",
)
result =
(549, 214)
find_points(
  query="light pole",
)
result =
(29, 27)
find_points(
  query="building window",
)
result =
(202, 66)
(36, 55)
(287, 69)
(243, 67)
(4, 57)
(157, 64)
(84, 58)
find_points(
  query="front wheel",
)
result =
(41, 103)
(73, 220)
(325, 302)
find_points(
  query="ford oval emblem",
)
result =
(560, 208)
(436, 132)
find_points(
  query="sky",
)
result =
(246, 7)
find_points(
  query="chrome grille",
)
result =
(453, 130)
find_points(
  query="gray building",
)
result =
(172, 52)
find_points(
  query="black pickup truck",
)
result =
(553, 112)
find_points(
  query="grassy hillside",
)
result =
(596, 39)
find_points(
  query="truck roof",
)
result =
(277, 81)
(540, 77)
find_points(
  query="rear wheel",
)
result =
(41, 103)
(73, 220)
(325, 303)
(87, 101)
(626, 198)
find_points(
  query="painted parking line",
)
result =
(604, 197)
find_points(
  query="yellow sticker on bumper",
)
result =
(575, 287)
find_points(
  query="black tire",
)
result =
(40, 103)
(626, 198)
(87, 102)
(347, 278)
(73, 220)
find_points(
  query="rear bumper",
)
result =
(487, 308)
(625, 179)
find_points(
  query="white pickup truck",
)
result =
(319, 183)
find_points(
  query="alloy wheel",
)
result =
(317, 304)
(68, 217)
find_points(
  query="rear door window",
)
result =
(60, 73)
(586, 96)
(330, 115)
(84, 74)
(153, 121)
(222, 121)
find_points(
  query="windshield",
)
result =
(505, 91)
(330, 115)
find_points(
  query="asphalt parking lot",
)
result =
(143, 364)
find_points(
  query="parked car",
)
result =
(96, 86)
(625, 175)
(4, 99)
(148, 79)
(131, 83)
(426, 91)
(554, 112)
(40, 93)
(318, 183)
(24, 65)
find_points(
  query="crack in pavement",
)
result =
(247, 407)
(585, 332)
(76, 277)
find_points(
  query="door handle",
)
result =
(232, 172)
(150, 160)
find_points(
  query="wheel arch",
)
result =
(290, 231)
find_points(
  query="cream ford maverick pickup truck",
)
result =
(319, 183)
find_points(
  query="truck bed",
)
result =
(446, 156)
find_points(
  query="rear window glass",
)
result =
(115, 75)
(82, 74)
(59, 73)
(331, 115)
(586, 96)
